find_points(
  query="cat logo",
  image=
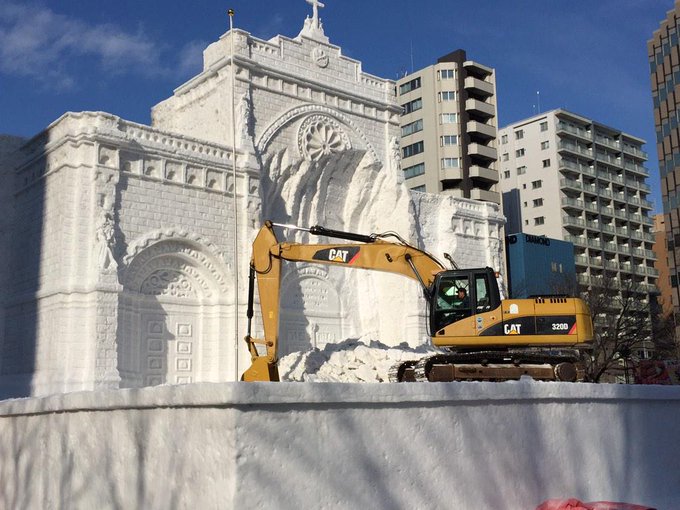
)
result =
(512, 329)
(338, 255)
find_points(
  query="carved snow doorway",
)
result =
(172, 315)
(312, 313)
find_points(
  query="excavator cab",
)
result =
(462, 293)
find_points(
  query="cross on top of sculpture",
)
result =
(313, 28)
(315, 11)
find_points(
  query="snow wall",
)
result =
(332, 445)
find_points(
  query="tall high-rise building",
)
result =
(664, 62)
(571, 178)
(665, 299)
(448, 128)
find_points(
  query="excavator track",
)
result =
(403, 372)
(493, 366)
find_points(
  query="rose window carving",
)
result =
(320, 136)
(166, 282)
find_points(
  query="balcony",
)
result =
(573, 221)
(478, 86)
(613, 247)
(611, 264)
(606, 158)
(483, 174)
(485, 196)
(579, 132)
(482, 151)
(637, 169)
(594, 243)
(572, 203)
(575, 148)
(634, 151)
(608, 142)
(481, 129)
(604, 192)
(591, 206)
(480, 108)
(477, 69)
(570, 183)
(581, 260)
(576, 240)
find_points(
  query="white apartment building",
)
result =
(449, 127)
(571, 178)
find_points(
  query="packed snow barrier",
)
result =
(333, 445)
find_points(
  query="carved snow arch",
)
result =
(175, 264)
(297, 112)
(172, 309)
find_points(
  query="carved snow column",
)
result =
(104, 268)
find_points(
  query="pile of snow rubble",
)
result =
(350, 361)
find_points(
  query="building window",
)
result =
(448, 118)
(450, 163)
(538, 202)
(409, 86)
(546, 163)
(539, 221)
(506, 174)
(544, 126)
(504, 139)
(526, 222)
(412, 106)
(411, 128)
(521, 170)
(413, 149)
(447, 95)
(447, 74)
(545, 145)
(448, 140)
(506, 156)
(519, 153)
(420, 188)
(414, 171)
(536, 184)
(519, 134)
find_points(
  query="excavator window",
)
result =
(453, 301)
(483, 294)
(463, 293)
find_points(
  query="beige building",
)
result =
(571, 178)
(448, 128)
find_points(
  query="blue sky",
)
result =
(588, 56)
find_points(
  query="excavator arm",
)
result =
(365, 252)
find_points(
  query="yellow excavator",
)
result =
(481, 336)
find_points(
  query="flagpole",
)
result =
(230, 12)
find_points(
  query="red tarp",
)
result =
(575, 504)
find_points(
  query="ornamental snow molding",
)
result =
(175, 263)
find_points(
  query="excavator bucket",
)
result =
(261, 370)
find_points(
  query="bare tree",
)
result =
(621, 316)
(665, 343)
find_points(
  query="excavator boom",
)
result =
(370, 252)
